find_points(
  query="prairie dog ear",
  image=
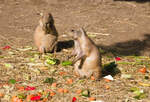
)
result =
(50, 15)
(51, 19)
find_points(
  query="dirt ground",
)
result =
(119, 27)
(126, 23)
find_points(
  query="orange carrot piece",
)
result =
(60, 90)
(107, 80)
(92, 78)
(78, 91)
(1, 95)
(66, 91)
(69, 81)
(92, 98)
(54, 84)
(52, 94)
(142, 70)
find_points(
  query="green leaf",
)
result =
(52, 61)
(85, 93)
(21, 96)
(139, 93)
(2, 57)
(140, 96)
(81, 81)
(32, 59)
(47, 95)
(66, 63)
(48, 56)
(134, 89)
(146, 77)
(12, 81)
(101, 51)
(8, 65)
(49, 80)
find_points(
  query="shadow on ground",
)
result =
(133, 47)
(110, 69)
(64, 45)
(139, 1)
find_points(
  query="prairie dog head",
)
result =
(76, 34)
(46, 21)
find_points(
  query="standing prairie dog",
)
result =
(88, 59)
(45, 35)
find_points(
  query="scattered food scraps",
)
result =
(35, 98)
(126, 76)
(92, 98)
(142, 70)
(12, 81)
(28, 88)
(66, 63)
(117, 58)
(85, 93)
(6, 47)
(51, 61)
(109, 77)
(49, 80)
(74, 99)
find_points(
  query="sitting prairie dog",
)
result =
(45, 35)
(88, 59)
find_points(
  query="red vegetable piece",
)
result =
(28, 88)
(74, 99)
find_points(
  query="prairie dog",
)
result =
(88, 59)
(45, 35)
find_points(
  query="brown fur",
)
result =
(88, 58)
(48, 43)
(45, 35)
(76, 51)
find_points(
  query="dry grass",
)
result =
(24, 65)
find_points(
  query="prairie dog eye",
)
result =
(72, 30)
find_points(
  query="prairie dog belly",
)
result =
(91, 65)
(76, 67)
(48, 42)
(38, 36)
(92, 60)
(82, 72)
